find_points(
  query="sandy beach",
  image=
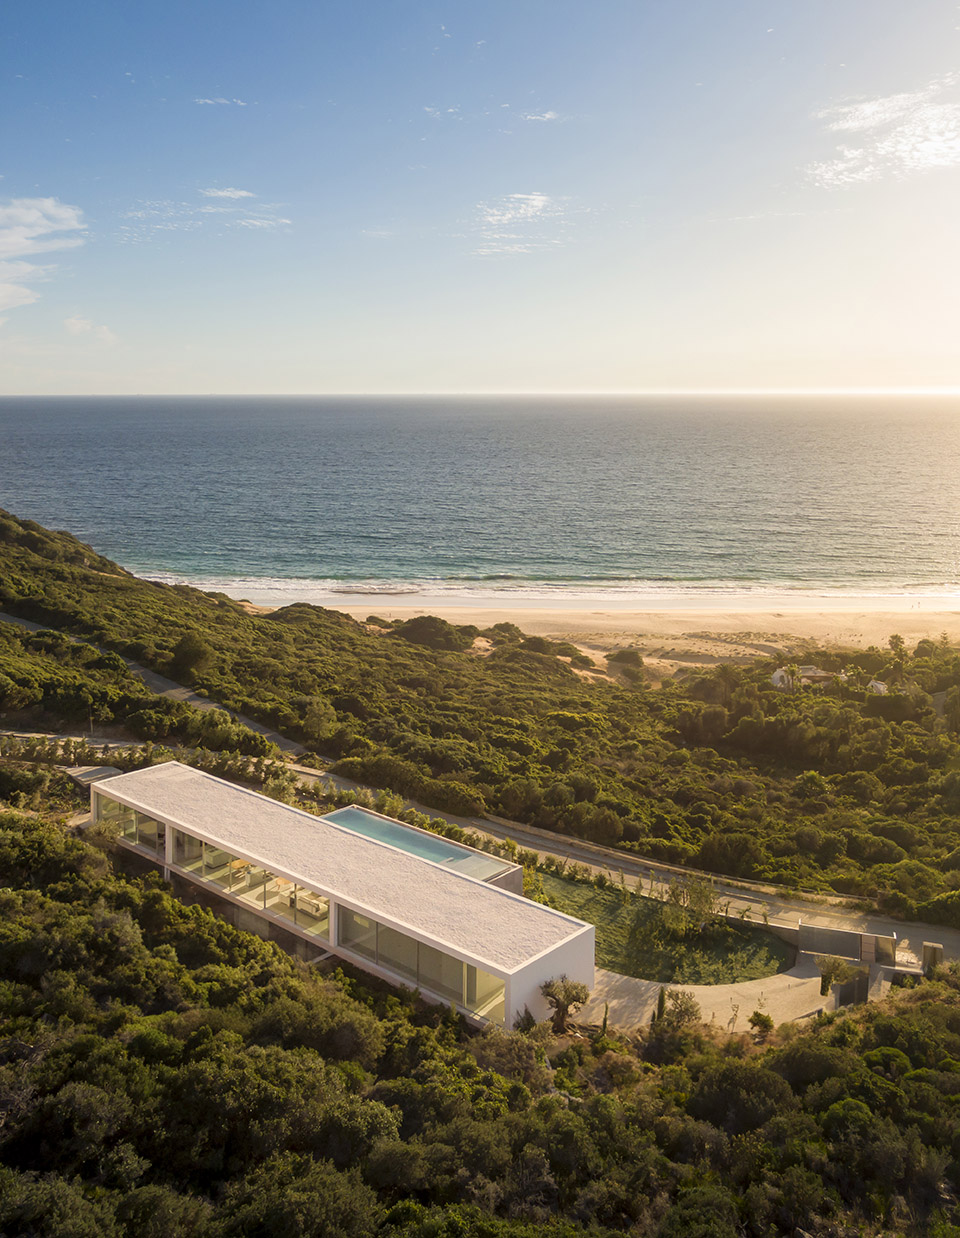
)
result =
(686, 630)
(856, 622)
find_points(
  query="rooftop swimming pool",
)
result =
(418, 842)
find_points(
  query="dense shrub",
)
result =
(163, 1074)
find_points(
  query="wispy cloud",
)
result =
(84, 326)
(898, 135)
(261, 222)
(456, 112)
(230, 209)
(520, 223)
(227, 193)
(31, 226)
(219, 101)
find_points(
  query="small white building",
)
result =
(781, 679)
(401, 903)
(878, 686)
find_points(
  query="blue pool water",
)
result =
(416, 842)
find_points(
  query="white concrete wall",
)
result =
(573, 959)
(511, 880)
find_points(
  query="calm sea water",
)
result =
(277, 498)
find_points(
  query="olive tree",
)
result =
(564, 997)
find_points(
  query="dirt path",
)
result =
(168, 688)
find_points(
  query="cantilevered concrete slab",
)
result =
(499, 930)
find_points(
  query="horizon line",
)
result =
(620, 392)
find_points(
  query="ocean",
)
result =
(617, 499)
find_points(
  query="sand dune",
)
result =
(691, 634)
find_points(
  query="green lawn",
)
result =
(633, 940)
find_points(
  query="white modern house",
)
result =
(403, 904)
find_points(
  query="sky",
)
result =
(302, 196)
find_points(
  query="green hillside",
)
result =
(816, 788)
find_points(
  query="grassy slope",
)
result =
(632, 939)
(48, 678)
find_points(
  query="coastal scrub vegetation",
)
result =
(54, 679)
(829, 787)
(162, 1073)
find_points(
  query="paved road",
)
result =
(168, 688)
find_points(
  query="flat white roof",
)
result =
(486, 924)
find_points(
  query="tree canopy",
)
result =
(162, 1073)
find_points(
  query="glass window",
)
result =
(271, 891)
(149, 832)
(135, 827)
(441, 973)
(250, 883)
(426, 966)
(307, 910)
(187, 851)
(123, 819)
(282, 898)
(127, 820)
(397, 951)
(485, 994)
(105, 809)
(358, 933)
(218, 865)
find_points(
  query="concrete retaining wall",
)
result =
(839, 943)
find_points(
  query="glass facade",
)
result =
(151, 835)
(135, 827)
(485, 994)
(358, 933)
(426, 966)
(311, 912)
(123, 819)
(398, 952)
(305, 909)
(187, 852)
(410, 960)
(441, 973)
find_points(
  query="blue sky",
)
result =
(517, 196)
